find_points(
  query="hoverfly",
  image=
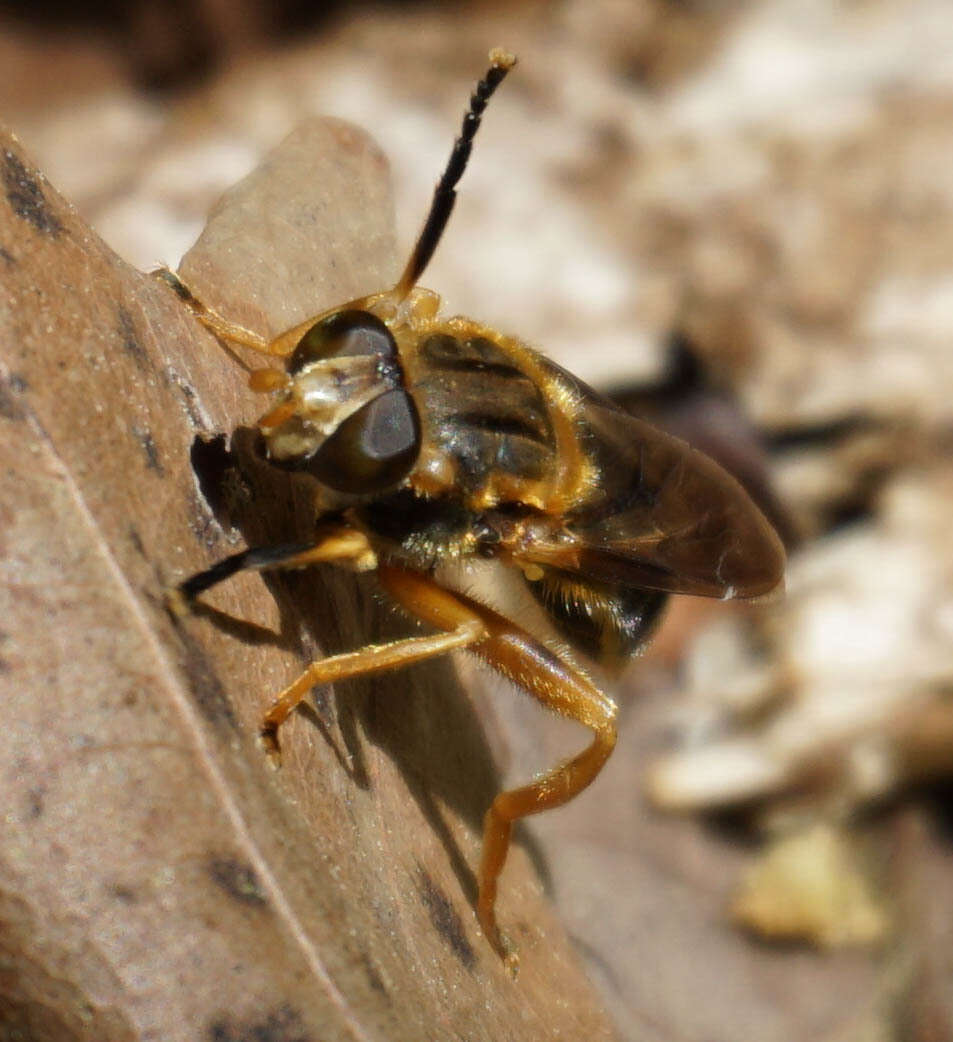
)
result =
(433, 439)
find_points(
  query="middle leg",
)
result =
(556, 684)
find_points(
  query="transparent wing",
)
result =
(661, 515)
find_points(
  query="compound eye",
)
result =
(344, 334)
(373, 449)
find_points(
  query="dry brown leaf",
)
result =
(157, 880)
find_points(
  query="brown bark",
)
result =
(157, 880)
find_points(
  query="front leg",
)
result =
(229, 332)
(337, 545)
(232, 333)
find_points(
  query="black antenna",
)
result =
(445, 194)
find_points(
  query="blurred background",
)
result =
(736, 216)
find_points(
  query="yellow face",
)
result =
(345, 416)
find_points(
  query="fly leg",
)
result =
(231, 333)
(375, 658)
(463, 623)
(339, 545)
(226, 331)
(554, 683)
